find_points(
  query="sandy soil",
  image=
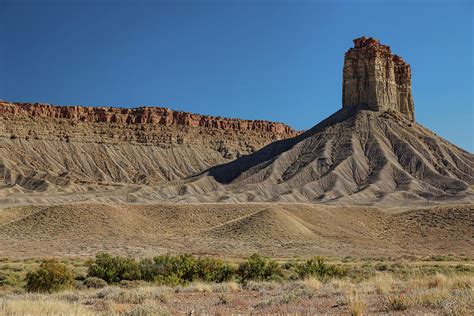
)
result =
(236, 230)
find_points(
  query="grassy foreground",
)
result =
(440, 285)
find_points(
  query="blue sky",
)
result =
(274, 60)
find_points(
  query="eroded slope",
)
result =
(355, 155)
(45, 147)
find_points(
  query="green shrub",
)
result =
(291, 264)
(259, 268)
(51, 276)
(174, 269)
(213, 270)
(148, 270)
(8, 278)
(184, 268)
(95, 283)
(317, 267)
(114, 269)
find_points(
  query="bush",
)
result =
(114, 269)
(51, 276)
(148, 270)
(9, 279)
(317, 267)
(95, 283)
(173, 270)
(170, 270)
(214, 270)
(259, 268)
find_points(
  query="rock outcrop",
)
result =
(376, 78)
(43, 145)
(142, 115)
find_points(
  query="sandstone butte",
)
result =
(376, 78)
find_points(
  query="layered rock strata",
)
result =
(376, 78)
(141, 115)
(43, 145)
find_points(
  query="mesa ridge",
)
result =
(45, 145)
(141, 115)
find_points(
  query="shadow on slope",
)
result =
(228, 172)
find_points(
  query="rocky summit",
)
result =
(375, 77)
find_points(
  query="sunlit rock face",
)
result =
(376, 78)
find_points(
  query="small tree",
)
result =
(51, 276)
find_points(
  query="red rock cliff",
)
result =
(141, 115)
(375, 77)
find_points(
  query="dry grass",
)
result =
(462, 282)
(42, 306)
(438, 281)
(226, 287)
(195, 287)
(312, 284)
(305, 296)
(399, 302)
(411, 287)
(356, 303)
(336, 285)
(383, 283)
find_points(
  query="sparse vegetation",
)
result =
(51, 276)
(94, 283)
(316, 267)
(398, 302)
(408, 286)
(356, 303)
(259, 268)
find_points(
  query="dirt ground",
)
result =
(234, 230)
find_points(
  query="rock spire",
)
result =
(376, 78)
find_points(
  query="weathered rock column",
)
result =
(376, 78)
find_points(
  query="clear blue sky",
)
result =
(274, 60)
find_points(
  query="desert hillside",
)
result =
(43, 147)
(354, 156)
(370, 151)
(235, 230)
